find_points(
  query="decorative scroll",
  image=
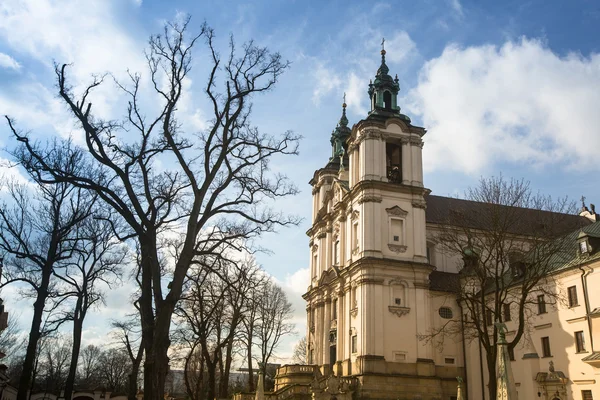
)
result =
(370, 199)
(397, 248)
(399, 311)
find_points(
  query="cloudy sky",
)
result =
(509, 87)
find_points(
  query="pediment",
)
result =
(396, 211)
(327, 277)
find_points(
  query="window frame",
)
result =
(541, 303)
(579, 342)
(572, 295)
(587, 394)
(546, 349)
(354, 344)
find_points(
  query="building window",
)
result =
(583, 248)
(579, 342)
(445, 312)
(334, 309)
(511, 353)
(449, 360)
(311, 356)
(506, 312)
(397, 231)
(353, 298)
(489, 319)
(393, 162)
(546, 347)
(586, 395)
(387, 100)
(336, 251)
(355, 236)
(572, 291)
(541, 304)
(354, 344)
(315, 265)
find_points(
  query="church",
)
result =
(379, 283)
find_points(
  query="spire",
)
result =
(344, 120)
(338, 140)
(383, 68)
(383, 91)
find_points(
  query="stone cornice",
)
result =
(363, 186)
(370, 199)
(369, 281)
(405, 127)
(419, 204)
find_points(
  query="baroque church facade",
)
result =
(369, 294)
(378, 282)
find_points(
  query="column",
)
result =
(342, 328)
(326, 329)
(319, 333)
(406, 170)
(414, 150)
(422, 308)
(419, 235)
(420, 163)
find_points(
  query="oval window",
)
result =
(446, 312)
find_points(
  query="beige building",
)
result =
(379, 284)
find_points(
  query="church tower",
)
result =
(368, 298)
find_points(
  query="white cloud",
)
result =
(457, 7)
(518, 103)
(361, 65)
(80, 32)
(7, 61)
(326, 80)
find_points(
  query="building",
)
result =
(379, 283)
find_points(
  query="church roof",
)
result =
(476, 215)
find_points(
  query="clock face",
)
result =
(583, 247)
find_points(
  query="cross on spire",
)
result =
(382, 43)
(344, 99)
(583, 201)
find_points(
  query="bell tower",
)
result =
(368, 299)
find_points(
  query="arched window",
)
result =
(387, 100)
(393, 153)
(445, 312)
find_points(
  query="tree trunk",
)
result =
(34, 337)
(212, 381)
(224, 383)
(133, 375)
(156, 365)
(491, 365)
(77, 328)
(250, 374)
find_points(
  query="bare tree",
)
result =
(10, 341)
(114, 369)
(509, 244)
(248, 333)
(54, 364)
(274, 315)
(88, 367)
(215, 189)
(37, 233)
(300, 352)
(128, 333)
(96, 259)
(212, 311)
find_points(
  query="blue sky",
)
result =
(508, 87)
